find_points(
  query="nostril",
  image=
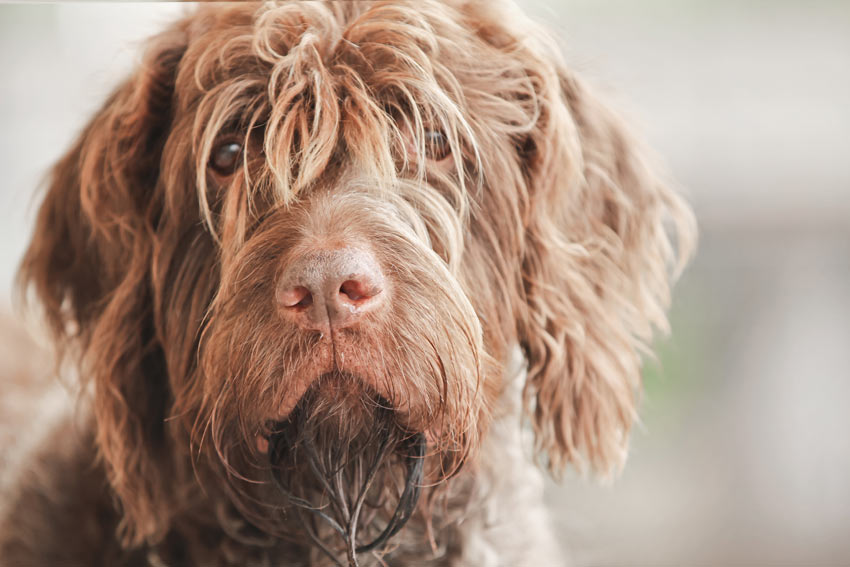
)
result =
(298, 298)
(325, 289)
(357, 290)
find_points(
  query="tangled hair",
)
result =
(540, 222)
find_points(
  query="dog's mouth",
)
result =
(350, 471)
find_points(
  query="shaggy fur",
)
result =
(526, 243)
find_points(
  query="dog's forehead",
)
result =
(316, 87)
(358, 83)
(370, 43)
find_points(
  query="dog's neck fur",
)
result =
(493, 515)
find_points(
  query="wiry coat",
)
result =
(538, 223)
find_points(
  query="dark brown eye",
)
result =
(226, 157)
(437, 145)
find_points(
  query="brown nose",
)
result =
(325, 289)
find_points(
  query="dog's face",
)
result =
(314, 226)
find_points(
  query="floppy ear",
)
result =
(88, 265)
(605, 237)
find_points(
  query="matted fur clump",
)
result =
(295, 259)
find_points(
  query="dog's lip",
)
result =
(336, 377)
(284, 413)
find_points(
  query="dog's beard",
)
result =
(348, 469)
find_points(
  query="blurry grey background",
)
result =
(743, 453)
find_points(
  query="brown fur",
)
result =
(547, 227)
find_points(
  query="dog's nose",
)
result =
(325, 289)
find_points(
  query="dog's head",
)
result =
(325, 227)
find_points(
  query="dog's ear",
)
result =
(89, 264)
(605, 236)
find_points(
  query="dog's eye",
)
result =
(437, 145)
(226, 157)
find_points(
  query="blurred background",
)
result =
(743, 453)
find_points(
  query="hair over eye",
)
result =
(226, 157)
(437, 145)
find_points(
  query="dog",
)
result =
(324, 270)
